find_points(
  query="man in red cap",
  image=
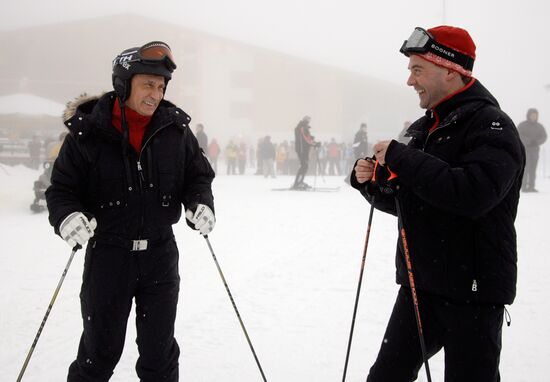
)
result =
(455, 189)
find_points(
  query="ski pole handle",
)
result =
(392, 175)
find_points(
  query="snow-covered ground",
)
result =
(292, 262)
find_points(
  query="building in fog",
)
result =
(236, 90)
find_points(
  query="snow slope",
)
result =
(292, 262)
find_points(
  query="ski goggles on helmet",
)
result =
(421, 41)
(151, 53)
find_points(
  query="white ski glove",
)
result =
(203, 219)
(77, 229)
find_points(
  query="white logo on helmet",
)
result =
(123, 61)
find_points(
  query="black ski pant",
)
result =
(113, 277)
(530, 174)
(302, 171)
(469, 334)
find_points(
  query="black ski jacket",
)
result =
(532, 135)
(360, 144)
(132, 197)
(458, 187)
(303, 139)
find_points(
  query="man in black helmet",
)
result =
(128, 164)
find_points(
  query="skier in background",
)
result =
(361, 142)
(303, 141)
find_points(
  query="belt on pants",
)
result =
(133, 245)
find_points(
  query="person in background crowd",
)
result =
(333, 155)
(347, 158)
(252, 157)
(202, 138)
(43, 182)
(533, 135)
(34, 152)
(241, 157)
(267, 156)
(259, 168)
(403, 137)
(213, 154)
(231, 152)
(322, 160)
(361, 142)
(281, 158)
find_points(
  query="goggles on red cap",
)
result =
(152, 53)
(421, 41)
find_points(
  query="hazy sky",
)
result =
(512, 37)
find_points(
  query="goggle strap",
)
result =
(452, 55)
(424, 42)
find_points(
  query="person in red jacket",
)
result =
(456, 196)
(214, 153)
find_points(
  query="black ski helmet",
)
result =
(152, 58)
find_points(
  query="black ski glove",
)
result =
(385, 179)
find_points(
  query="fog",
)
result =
(294, 287)
(361, 36)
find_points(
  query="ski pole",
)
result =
(358, 288)
(318, 167)
(235, 307)
(76, 248)
(413, 288)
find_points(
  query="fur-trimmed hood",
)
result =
(72, 106)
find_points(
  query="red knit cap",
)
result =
(454, 38)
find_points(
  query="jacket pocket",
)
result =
(167, 195)
(112, 187)
(112, 193)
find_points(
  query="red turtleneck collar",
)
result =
(136, 124)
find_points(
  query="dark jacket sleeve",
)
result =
(488, 167)
(532, 134)
(64, 195)
(541, 136)
(198, 174)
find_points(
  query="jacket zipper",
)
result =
(142, 178)
(439, 127)
(145, 144)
